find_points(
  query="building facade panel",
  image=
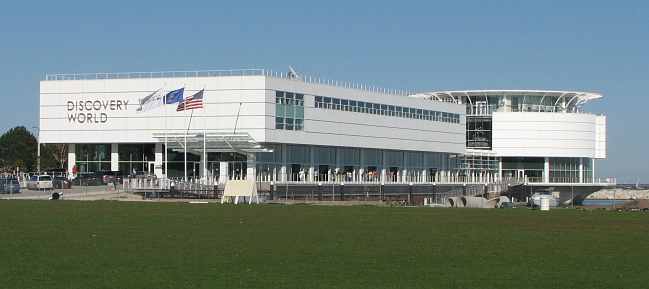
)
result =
(357, 129)
(97, 111)
(541, 134)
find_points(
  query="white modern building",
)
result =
(254, 124)
(282, 128)
(545, 137)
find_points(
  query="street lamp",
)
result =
(38, 148)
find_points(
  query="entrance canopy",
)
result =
(199, 143)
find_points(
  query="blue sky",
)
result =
(598, 46)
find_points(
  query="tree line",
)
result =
(18, 152)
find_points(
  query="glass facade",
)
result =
(478, 132)
(311, 163)
(587, 166)
(530, 168)
(323, 102)
(289, 110)
(135, 158)
(564, 170)
(93, 157)
(347, 164)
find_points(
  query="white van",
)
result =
(42, 182)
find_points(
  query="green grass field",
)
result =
(69, 244)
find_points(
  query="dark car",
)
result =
(61, 182)
(506, 205)
(87, 179)
(9, 186)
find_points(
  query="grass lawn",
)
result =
(69, 244)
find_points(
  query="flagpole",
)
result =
(186, 132)
(164, 109)
(204, 142)
(189, 125)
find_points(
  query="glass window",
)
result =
(298, 124)
(336, 103)
(288, 123)
(344, 104)
(279, 123)
(353, 105)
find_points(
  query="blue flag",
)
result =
(174, 96)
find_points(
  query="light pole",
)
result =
(38, 148)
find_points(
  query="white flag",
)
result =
(151, 101)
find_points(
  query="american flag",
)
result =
(192, 102)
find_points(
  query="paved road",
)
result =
(76, 193)
(90, 194)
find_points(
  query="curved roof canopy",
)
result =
(575, 97)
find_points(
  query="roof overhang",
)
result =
(451, 95)
(211, 142)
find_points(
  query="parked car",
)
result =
(87, 179)
(9, 185)
(506, 205)
(110, 177)
(40, 182)
(61, 182)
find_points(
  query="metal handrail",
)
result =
(159, 74)
(228, 72)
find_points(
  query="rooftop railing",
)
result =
(228, 72)
(159, 74)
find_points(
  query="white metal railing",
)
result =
(228, 72)
(609, 181)
(163, 184)
(479, 109)
(159, 74)
(487, 110)
(415, 180)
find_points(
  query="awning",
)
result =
(212, 142)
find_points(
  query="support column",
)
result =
(72, 157)
(546, 170)
(311, 172)
(581, 170)
(251, 167)
(500, 168)
(203, 164)
(383, 169)
(282, 174)
(283, 177)
(157, 161)
(223, 172)
(114, 157)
